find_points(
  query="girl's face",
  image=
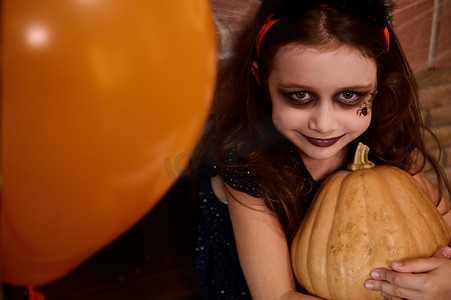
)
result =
(321, 99)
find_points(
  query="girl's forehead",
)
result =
(339, 65)
(333, 47)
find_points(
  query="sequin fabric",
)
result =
(218, 268)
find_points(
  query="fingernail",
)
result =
(397, 264)
(375, 274)
(385, 295)
(369, 285)
(446, 252)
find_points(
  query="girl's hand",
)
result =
(419, 278)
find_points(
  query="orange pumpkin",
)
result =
(361, 219)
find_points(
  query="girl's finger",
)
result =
(443, 253)
(387, 296)
(404, 280)
(417, 265)
(391, 291)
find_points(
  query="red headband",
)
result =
(270, 22)
(387, 38)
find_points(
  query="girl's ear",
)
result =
(256, 72)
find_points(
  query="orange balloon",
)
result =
(103, 102)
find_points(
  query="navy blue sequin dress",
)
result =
(218, 268)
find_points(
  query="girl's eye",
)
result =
(301, 97)
(349, 97)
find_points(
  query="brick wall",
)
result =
(435, 97)
(424, 30)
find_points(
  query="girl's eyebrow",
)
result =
(363, 86)
(294, 85)
(358, 87)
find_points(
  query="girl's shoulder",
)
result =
(233, 172)
(240, 176)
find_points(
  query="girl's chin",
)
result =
(310, 152)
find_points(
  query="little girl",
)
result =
(308, 81)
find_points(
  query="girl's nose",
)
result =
(323, 118)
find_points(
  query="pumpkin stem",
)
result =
(361, 159)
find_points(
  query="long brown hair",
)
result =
(242, 109)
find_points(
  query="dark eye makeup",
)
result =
(351, 97)
(347, 97)
(301, 97)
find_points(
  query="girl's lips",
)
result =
(322, 142)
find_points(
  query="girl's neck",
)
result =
(320, 169)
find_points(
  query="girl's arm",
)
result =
(418, 278)
(432, 192)
(262, 248)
